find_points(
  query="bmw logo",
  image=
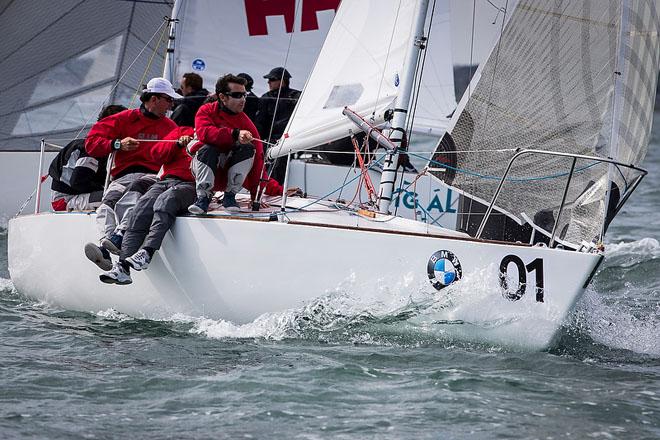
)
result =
(198, 64)
(443, 269)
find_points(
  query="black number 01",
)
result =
(535, 266)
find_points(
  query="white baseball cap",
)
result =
(161, 85)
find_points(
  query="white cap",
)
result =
(161, 85)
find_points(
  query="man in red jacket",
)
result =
(228, 155)
(125, 133)
(155, 212)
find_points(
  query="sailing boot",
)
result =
(201, 206)
(113, 243)
(229, 202)
(99, 256)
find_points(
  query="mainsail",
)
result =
(566, 76)
(59, 62)
(360, 66)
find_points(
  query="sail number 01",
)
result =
(535, 266)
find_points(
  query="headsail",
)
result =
(60, 60)
(569, 76)
(360, 66)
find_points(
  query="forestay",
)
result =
(568, 76)
(360, 66)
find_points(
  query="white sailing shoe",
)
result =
(116, 275)
(139, 260)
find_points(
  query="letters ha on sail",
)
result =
(237, 266)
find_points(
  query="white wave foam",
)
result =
(113, 314)
(6, 285)
(382, 314)
(614, 326)
(646, 247)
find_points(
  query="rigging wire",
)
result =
(497, 58)
(387, 57)
(112, 90)
(151, 60)
(261, 187)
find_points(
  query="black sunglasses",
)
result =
(236, 95)
(166, 98)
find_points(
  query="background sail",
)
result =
(550, 84)
(252, 36)
(60, 60)
(359, 67)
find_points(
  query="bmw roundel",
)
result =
(443, 269)
(198, 64)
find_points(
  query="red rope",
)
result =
(365, 174)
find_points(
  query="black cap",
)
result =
(248, 78)
(278, 73)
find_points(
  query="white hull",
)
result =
(237, 269)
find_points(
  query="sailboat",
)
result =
(567, 91)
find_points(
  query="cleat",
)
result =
(113, 243)
(98, 256)
(201, 206)
(116, 275)
(139, 260)
(229, 202)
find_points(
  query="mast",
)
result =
(388, 177)
(170, 69)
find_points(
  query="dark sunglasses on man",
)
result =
(236, 95)
(166, 98)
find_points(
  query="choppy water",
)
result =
(334, 371)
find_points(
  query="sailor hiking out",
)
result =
(127, 134)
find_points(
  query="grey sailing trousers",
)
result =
(118, 201)
(155, 213)
(238, 163)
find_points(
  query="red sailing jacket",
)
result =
(129, 123)
(214, 127)
(175, 159)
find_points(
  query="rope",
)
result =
(371, 166)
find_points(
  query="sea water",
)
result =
(339, 369)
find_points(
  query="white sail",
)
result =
(566, 76)
(233, 36)
(360, 67)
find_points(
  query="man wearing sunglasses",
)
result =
(134, 168)
(228, 155)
